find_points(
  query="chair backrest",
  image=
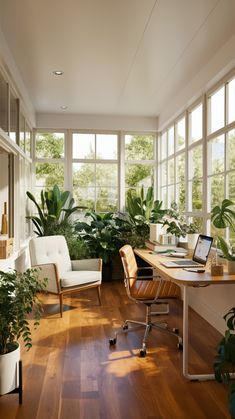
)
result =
(129, 263)
(50, 249)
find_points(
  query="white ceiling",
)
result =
(119, 57)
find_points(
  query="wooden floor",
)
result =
(71, 373)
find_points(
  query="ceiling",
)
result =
(119, 57)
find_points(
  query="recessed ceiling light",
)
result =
(64, 107)
(58, 72)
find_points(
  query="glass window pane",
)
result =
(83, 146)
(49, 174)
(216, 155)
(163, 173)
(195, 195)
(231, 101)
(216, 190)
(216, 113)
(171, 173)
(195, 124)
(83, 175)
(49, 145)
(139, 147)
(84, 197)
(106, 199)
(180, 134)
(106, 174)
(231, 186)
(181, 196)
(171, 195)
(231, 149)
(164, 197)
(163, 146)
(195, 162)
(106, 146)
(180, 167)
(170, 136)
(139, 174)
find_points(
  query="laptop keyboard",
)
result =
(186, 262)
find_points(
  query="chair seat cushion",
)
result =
(73, 278)
(146, 290)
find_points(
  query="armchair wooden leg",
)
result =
(61, 305)
(99, 294)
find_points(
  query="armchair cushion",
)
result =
(74, 278)
(86, 264)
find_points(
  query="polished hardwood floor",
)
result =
(71, 373)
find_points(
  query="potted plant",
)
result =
(18, 298)
(224, 364)
(192, 230)
(221, 217)
(227, 252)
(54, 212)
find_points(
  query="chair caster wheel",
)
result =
(175, 330)
(112, 341)
(125, 327)
(180, 346)
(142, 353)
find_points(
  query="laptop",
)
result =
(200, 255)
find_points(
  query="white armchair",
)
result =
(65, 276)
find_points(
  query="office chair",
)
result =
(65, 276)
(147, 290)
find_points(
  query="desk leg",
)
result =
(197, 377)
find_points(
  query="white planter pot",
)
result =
(192, 240)
(9, 370)
(231, 267)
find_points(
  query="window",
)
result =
(195, 187)
(49, 156)
(95, 171)
(139, 161)
(216, 110)
(195, 124)
(231, 101)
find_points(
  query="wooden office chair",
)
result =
(147, 290)
(51, 255)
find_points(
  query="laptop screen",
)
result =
(202, 249)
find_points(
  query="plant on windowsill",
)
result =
(221, 217)
(224, 364)
(18, 298)
(192, 230)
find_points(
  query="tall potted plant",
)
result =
(224, 364)
(18, 298)
(222, 216)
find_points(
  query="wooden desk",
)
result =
(185, 279)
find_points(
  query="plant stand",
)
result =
(19, 390)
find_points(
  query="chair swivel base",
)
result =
(148, 327)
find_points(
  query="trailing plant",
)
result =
(18, 298)
(54, 211)
(224, 363)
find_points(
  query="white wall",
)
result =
(96, 122)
